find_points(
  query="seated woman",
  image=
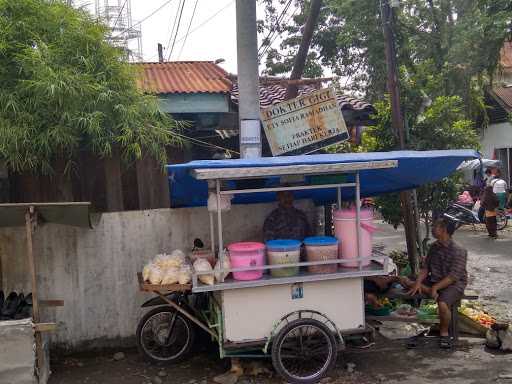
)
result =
(377, 285)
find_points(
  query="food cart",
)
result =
(297, 321)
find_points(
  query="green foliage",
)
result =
(64, 89)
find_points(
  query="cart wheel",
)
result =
(165, 336)
(304, 351)
(502, 220)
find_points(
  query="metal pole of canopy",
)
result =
(358, 219)
(212, 233)
(339, 197)
(219, 224)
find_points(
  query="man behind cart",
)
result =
(443, 276)
(286, 221)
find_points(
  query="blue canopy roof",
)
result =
(415, 168)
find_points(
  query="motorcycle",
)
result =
(462, 215)
(163, 334)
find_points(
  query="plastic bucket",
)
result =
(283, 252)
(346, 233)
(321, 248)
(244, 255)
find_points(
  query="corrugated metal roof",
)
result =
(276, 93)
(505, 95)
(506, 56)
(184, 77)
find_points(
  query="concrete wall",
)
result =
(496, 136)
(94, 271)
(17, 356)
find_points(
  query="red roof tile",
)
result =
(184, 77)
(506, 56)
(505, 95)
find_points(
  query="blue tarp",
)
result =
(415, 168)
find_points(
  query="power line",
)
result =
(147, 17)
(206, 21)
(188, 29)
(275, 36)
(205, 143)
(119, 14)
(275, 26)
(173, 25)
(177, 30)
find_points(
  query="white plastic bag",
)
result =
(161, 260)
(219, 277)
(155, 274)
(185, 274)
(225, 202)
(146, 270)
(176, 259)
(170, 276)
(201, 265)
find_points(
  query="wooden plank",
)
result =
(45, 327)
(401, 319)
(113, 182)
(300, 169)
(51, 303)
(147, 287)
(29, 219)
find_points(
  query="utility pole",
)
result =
(398, 125)
(248, 79)
(302, 55)
(160, 53)
(70, 2)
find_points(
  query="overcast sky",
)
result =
(212, 36)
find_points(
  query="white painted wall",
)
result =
(496, 136)
(94, 271)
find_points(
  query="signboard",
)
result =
(304, 124)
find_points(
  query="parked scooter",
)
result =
(462, 215)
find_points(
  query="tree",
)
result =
(65, 89)
(461, 40)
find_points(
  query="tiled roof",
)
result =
(506, 56)
(208, 77)
(273, 94)
(184, 77)
(505, 96)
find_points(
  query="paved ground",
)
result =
(490, 269)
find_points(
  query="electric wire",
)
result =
(173, 25)
(274, 27)
(188, 29)
(205, 21)
(147, 17)
(270, 43)
(119, 14)
(177, 30)
(205, 143)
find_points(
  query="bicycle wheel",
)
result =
(165, 336)
(304, 351)
(501, 220)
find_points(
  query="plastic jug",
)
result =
(345, 230)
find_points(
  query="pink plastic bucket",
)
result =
(247, 254)
(345, 229)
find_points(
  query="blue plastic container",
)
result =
(322, 248)
(283, 252)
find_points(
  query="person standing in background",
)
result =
(499, 187)
(489, 204)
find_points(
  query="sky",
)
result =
(212, 34)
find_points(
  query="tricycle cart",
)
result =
(298, 321)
